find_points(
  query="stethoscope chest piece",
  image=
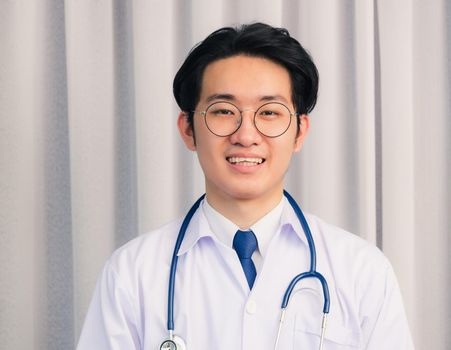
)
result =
(176, 343)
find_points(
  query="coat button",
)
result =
(251, 307)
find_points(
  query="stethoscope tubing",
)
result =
(175, 258)
(306, 228)
(312, 273)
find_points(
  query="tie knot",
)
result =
(244, 244)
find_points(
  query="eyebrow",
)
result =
(230, 97)
(227, 97)
(274, 97)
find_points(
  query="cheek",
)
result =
(208, 151)
(284, 160)
(283, 154)
(285, 146)
(205, 143)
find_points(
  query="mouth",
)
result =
(245, 161)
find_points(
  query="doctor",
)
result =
(245, 94)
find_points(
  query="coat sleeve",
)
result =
(387, 328)
(111, 321)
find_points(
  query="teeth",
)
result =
(245, 161)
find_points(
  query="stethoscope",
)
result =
(175, 342)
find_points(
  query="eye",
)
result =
(272, 111)
(221, 112)
(269, 113)
(224, 112)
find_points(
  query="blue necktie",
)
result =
(245, 244)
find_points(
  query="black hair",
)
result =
(259, 40)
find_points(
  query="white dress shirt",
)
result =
(214, 308)
(264, 229)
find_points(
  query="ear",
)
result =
(304, 125)
(186, 131)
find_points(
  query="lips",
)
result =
(245, 161)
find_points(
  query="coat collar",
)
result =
(198, 228)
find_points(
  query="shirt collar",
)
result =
(222, 228)
(208, 222)
(264, 229)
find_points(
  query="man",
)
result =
(245, 95)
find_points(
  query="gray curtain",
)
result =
(90, 156)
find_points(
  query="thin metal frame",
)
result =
(204, 114)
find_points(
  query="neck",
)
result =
(244, 212)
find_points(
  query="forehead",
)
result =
(245, 78)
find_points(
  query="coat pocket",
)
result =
(337, 337)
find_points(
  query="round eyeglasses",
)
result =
(224, 118)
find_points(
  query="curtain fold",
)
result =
(90, 155)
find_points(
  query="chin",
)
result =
(247, 193)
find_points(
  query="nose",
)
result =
(247, 134)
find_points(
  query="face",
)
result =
(245, 165)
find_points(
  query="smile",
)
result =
(245, 161)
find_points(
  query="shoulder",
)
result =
(152, 249)
(340, 242)
(357, 262)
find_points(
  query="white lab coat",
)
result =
(214, 308)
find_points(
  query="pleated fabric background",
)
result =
(90, 156)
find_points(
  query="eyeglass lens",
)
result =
(271, 119)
